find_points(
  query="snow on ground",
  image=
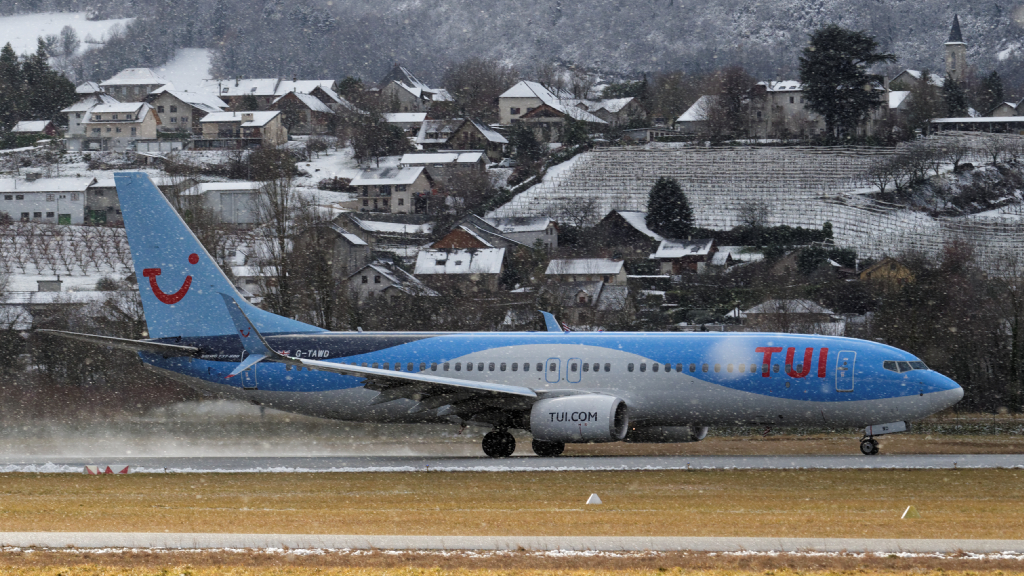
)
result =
(22, 30)
(189, 70)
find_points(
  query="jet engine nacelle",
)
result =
(656, 434)
(583, 418)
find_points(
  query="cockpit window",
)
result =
(900, 366)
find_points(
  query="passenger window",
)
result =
(423, 366)
(409, 367)
(515, 366)
(540, 367)
(491, 366)
(799, 368)
(718, 368)
(775, 368)
(469, 366)
(753, 368)
(374, 364)
(654, 368)
(553, 367)
(703, 367)
(572, 367)
(365, 365)
(629, 367)
(742, 367)
(502, 366)
(433, 366)
(445, 366)
(668, 368)
(905, 366)
(526, 366)
(387, 365)
(586, 367)
(693, 367)
(480, 366)
(458, 367)
(398, 366)
(728, 368)
(607, 367)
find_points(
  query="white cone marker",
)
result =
(594, 499)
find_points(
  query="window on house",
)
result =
(74, 195)
(513, 110)
(385, 190)
(51, 197)
(78, 114)
(19, 196)
(223, 90)
(791, 99)
(37, 214)
(117, 130)
(49, 214)
(366, 190)
(24, 215)
(366, 202)
(174, 119)
(174, 109)
(366, 280)
(160, 109)
(133, 130)
(8, 196)
(376, 279)
(758, 114)
(98, 117)
(184, 119)
(95, 130)
(401, 201)
(114, 116)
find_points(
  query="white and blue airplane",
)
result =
(560, 386)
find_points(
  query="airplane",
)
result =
(560, 386)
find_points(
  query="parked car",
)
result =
(507, 163)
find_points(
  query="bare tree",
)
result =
(274, 210)
(476, 83)
(953, 150)
(577, 211)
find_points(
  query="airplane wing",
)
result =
(126, 344)
(425, 388)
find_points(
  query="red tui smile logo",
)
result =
(176, 297)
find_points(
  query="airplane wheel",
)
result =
(869, 446)
(548, 448)
(499, 444)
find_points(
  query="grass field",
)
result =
(825, 503)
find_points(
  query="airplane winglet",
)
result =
(252, 341)
(549, 322)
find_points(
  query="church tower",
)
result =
(956, 52)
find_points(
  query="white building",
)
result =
(232, 202)
(611, 272)
(47, 200)
(78, 114)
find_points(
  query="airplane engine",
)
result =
(584, 418)
(664, 434)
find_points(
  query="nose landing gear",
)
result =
(869, 446)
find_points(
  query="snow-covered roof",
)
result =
(88, 88)
(612, 105)
(259, 118)
(254, 86)
(638, 220)
(205, 102)
(441, 158)
(303, 86)
(682, 248)
(560, 100)
(30, 126)
(87, 103)
(482, 261)
(387, 176)
(469, 230)
(782, 85)
(738, 253)
(897, 97)
(795, 306)
(933, 79)
(119, 108)
(405, 117)
(311, 102)
(8, 185)
(443, 129)
(399, 278)
(491, 134)
(235, 186)
(137, 76)
(581, 266)
(375, 226)
(698, 111)
(522, 224)
(348, 236)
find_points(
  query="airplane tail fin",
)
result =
(179, 281)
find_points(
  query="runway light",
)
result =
(910, 512)
(594, 499)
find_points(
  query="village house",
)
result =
(399, 234)
(180, 112)
(78, 113)
(392, 189)
(525, 97)
(385, 280)
(116, 127)
(434, 134)
(45, 200)
(888, 274)
(266, 90)
(728, 256)
(409, 122)
(303, 113)
(132, 84)
(407, 94)
(470, 270)
(1006, 109)
(679, 256)
(617, 111)
(441, 166)
(548, 121)
(475, 135)
(348, 252)
(789, 316)
(544, 110)
(625, 234)
(530, 231)
(228, 130)
(40, 128)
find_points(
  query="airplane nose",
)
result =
(948, 392)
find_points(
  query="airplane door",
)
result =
(844, 370)
(553, 370)
(248, 376)
(574, 370)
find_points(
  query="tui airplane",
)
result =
(560, 386)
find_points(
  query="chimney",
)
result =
(246, 116)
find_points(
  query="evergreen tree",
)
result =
(924, 104)
(668, 210)
(990, 93)
(525, 147)
(955, 97)
(10, 86)
(833, 70)
(575, 133)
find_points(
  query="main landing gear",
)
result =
(499, 444)
(869, 446)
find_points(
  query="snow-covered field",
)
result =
(189, 70)
(22, 30)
